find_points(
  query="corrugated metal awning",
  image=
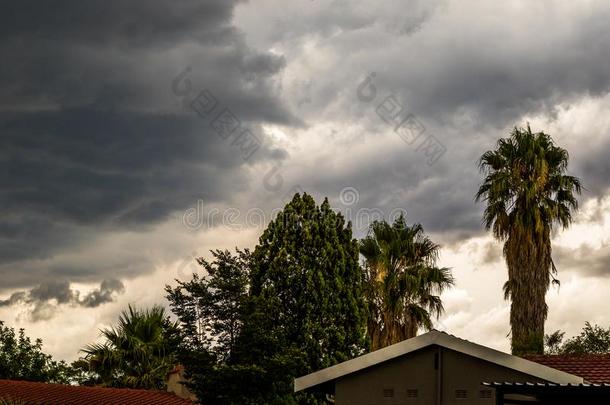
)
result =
(519, 393)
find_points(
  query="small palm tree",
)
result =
(137, 353)
(403, 283)
(527, 193)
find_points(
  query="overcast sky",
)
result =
(137, 135)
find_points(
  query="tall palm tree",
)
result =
(403, 283)
(137, 353)
(527, 194)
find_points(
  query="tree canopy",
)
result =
(292, 306)
(591, 340)
(22, 359)
(137, 353)
(307, 281)
(402, 281)
(210, 311)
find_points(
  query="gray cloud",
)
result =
(92, 138)
(94, 144)
(492, 253)
(584, 260)
(44, 300)
(463, 71)
(104, 294)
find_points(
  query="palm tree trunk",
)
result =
(528, 261)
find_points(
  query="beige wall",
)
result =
(463, 372)
(417, 371)
(175, 386)
(412, 371)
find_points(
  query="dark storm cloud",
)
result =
(43, 300)
(92, 138)
(459, 60)
(94, 166)
(470, 77)
(104, 294)
(135, 23)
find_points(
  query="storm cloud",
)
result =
(102, 151)
(43, 301)
(94, 140)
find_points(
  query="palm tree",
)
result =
(403, 283)
(137, 353)
(527, 194)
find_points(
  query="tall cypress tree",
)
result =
(306, 276)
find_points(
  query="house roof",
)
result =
(594, 368)
(36, 393)
(442, 339)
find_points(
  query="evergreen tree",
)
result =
(306, 285)
(256, 321)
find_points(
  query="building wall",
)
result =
(415, 378)
(461, 372)
(175, 385)
(413, 371)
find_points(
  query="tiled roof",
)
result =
(35, 393)
(594, 368)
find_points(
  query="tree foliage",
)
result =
(403, 283)
(307, 283)
(591, 340)
(22, 359)
(292, 306)
(137, 353)
(210, 316)
(527, 194)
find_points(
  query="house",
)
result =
(438, 368)
(36, 393)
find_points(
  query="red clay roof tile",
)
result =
(594, 368)
(35, 393)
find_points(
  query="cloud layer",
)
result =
(95, 141)
(102, 153)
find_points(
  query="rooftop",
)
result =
(594, 368)
(442, 339)
(36, 393)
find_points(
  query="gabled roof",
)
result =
(594, 368)
(36, 393)
(442, 339)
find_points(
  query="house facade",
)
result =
(433, 368)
